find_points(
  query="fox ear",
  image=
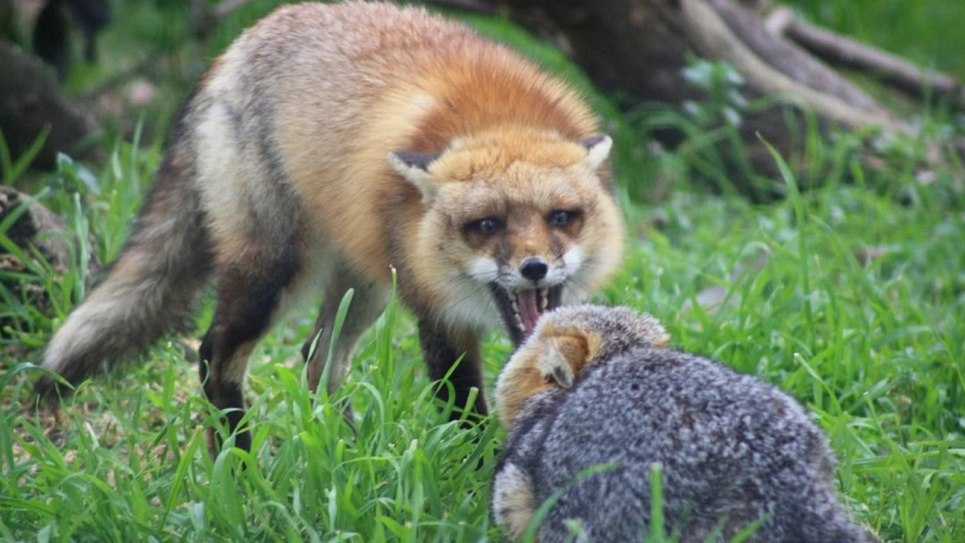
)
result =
(414, 167)
(597, 150)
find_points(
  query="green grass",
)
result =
(850, 296)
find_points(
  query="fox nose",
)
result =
(534, 269)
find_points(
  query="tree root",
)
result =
(824, 92)
(843, 51)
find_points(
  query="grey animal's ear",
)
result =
(414, 167)
(556, 368)
(570, 351)
(597, 150)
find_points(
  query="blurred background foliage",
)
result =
(152, 52)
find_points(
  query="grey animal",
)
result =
(597, 387)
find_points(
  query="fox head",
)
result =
(515, 223)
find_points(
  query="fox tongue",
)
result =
(528, 309)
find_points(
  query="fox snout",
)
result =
(534, 269)
(526, 287)
(535, 272)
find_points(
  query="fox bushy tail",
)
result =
(151, 288)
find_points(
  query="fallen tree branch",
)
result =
(843, 51)
(789, 58)
(710, 33)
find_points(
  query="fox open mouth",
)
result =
(520, 309)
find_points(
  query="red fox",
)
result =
(330, 144)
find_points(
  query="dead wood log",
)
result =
(36, 227)
(36, 231)
(846, 52)
(30, 101)
(43, 242)
(637, 49)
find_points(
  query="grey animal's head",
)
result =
(566, 341)
(605, 330)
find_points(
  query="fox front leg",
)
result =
(442, 348)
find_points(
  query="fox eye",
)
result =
(561, 218)
(486, 226)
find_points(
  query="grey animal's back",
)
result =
(733, 450)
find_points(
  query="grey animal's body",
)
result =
(595, 386)
(327, 147)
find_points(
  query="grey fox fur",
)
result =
(600, 388)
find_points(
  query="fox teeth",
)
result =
(544, 294)
(519, 321)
